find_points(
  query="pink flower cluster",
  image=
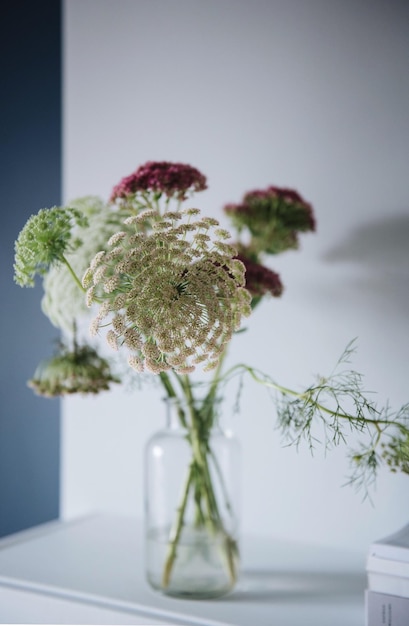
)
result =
(171, 179)
(260, 280)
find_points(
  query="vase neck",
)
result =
(181, 414)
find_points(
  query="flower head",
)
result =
(274, 217)
(43, 242)
(63, 300)
(161, 177)
(79, 371)
(176, 294)
(260, 280)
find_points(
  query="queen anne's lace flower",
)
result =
(44, 242)
(175, 298)
(81, 370)
(63, 301)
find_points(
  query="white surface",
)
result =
(28, 607)
(92, 569)
(312, 95)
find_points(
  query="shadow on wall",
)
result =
(383, 245)
(378, 255)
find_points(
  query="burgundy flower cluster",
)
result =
(260, 280)
(275, 202)
(171, 179)
(288, 195)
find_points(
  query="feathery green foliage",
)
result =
(328, 411)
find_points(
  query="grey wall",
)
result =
(30, 178)
(311, 94)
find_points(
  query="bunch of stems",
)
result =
(198, 484)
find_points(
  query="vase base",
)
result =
(186, 594)
(199, 568)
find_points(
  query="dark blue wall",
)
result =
(30, 177)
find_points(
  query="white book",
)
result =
(382, 609)
(385, 583)
(388, 564)
(394, 547)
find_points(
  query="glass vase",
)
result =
(191, 500)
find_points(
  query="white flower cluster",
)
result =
(63, 300)
(171, 289)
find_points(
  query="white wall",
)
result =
(306, 93)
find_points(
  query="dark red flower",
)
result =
(171, 179)
(260, 280)
(288, 205)
(290, 195)
(261, 207)
(235, 209)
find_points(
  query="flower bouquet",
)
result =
(169, 288)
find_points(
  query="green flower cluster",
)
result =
(44, 241)
(80, 370)
(396, 451)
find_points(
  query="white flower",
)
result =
(63, 300)
(175, 292)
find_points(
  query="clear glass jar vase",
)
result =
(191, 501)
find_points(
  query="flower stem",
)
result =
(73, 274)
(307, 396)
(176, 530)
(200, 480)
(213, 519)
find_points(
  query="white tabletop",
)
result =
(91, 570)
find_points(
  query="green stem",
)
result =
(221, 480)
(73, 274)
(211, 396)
(306, 395)
(171, 393)
(198, 475)
(176, 530)
(213, 519)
